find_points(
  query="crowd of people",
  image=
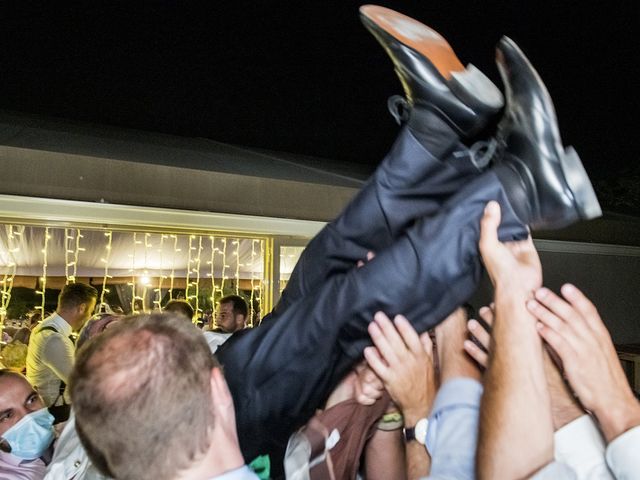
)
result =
(369, 366)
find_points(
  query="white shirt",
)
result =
(215, 339)
(580, 445)
(70, 460)
(623, 455)
(50, 358)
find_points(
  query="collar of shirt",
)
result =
(21, 468)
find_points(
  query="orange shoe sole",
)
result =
(417, 36)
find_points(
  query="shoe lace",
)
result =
(481, 153)
(399, 108)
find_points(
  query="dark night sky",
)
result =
(305, 76)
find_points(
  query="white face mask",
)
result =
(32, 435)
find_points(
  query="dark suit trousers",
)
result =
(421, 217)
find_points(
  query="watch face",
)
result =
(421, 430)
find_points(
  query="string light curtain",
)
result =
(176, 251)
(106, 276)
(158, 291)
(136, 262)
(43, 278)
(72, 251)
(7, 281)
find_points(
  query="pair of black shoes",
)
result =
(547, 185)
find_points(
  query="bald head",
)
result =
(144, 383)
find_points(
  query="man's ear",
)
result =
(220, 394)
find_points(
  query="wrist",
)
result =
(512, 292)
(411, 416)
(615, 418)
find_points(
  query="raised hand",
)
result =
(574, 329)
(404, 362)
(512, 264)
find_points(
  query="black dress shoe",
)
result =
(548, 185)
(432, 76)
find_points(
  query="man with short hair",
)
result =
(51, 351)
(180, 306)
(232, 314)
(152, 403)
(231, 317)
(26, 429)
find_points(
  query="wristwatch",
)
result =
(417, 433)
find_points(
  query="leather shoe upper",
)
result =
(558, 190)
(467, 100)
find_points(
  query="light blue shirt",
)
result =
(242, 473)
(452, 434)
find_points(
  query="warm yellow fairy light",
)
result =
(71, 247)
(261, 283)
(144, 279)
(189, 262)
(253, 279)
(158, 291)
(78, 249)
(67, 251)
(43, 278)
(224, 264)
(133, 274)
(7, 280)
(212, 274)
(236, 253)
(106, 260)
(197, 282)
(173, 264)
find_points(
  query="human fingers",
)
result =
(489, 228)
(377, 363)
(370, 255)
(392, 346)
(369, 388)
(479, 333)
(427, 343)
(475, 352)
(366, 392)
(368, 376)
(557, 342)
(559, 307)
(486, 313)
(555, 322)
(408, 334)
(495, 257)
(584, 306)
(380, 340)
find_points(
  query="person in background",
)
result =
(181, 307)
(26, 429)
(231, 317)
(14, 356)
(51, 349)
(70, 460)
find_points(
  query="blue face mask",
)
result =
(32, 435)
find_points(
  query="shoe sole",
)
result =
(584, 197)
(469, 83)
(424, 40)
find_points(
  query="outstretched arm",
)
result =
(404, 362)
(515, 417)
